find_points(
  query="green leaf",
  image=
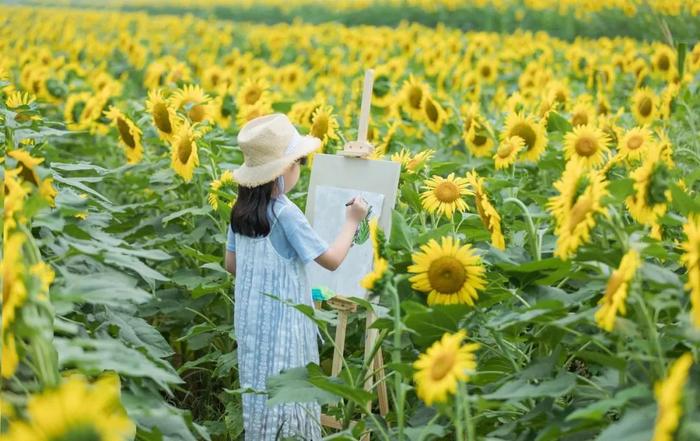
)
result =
(109, 288)
(621, 188)
(197, 211)
(294, 386)
(557, 123)
(432, 323)
(635, 425)
(96, 356)
(400, 232)
(596, 411)
(137, 332)
(520, 389)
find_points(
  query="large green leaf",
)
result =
(635, 425)
(521, 389)
(95, 356)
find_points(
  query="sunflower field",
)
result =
(541, 280)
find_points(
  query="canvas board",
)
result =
(334, 181)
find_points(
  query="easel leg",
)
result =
(381, 384)
(339, 342)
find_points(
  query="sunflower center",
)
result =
(579, 119)
(635, 142)
(479, 140)
(125, 133)
(586, 146)
(525, 131)
(486, 71)
(560, 96)
(320, 127)
(161, 118)
(578, 212)
(447, 275)
(645, 107)
(415, 95)
(184, 149)
(505, 150)
(442, 365)
(28, 175)
(197, 113)
(664, 63)
(431, 111)
(252, 95)
(447, 192)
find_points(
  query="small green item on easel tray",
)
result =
(321, 293)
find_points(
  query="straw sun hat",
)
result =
(270, 144)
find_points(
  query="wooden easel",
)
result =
(360, 148)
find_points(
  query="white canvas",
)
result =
(330, 216)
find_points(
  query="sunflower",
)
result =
(184, 156)
(613, 301)
(586, 144)
(75, 410)
(652, 191)
(645, 105)
(28, 171)
(16, 192)
(17, 99)
(449, 272)
(380, 265)
(433, 113)
(574, 209)
(668, 393)
(583, 113)
(442, 366)
(324, 124)
(478, 139)
(558, 92)
(508, 151)
(691, 260)
(532, 132)
(664, 61)
(129, 134)
(666, 100)
(488, 214)
(247, 113)
(412, 163)
(14, 295)
(412, 97)
(252, 91)
(223, 186)
(634, 143)
(444, 195)
(194, 102)
(487, 70)
(163, 114)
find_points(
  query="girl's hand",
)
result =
(357, 209)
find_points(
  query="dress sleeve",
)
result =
(231, 240)
(301, 236)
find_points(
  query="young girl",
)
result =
(269, 242)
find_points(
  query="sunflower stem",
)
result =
(396, 359)
(467, 411)
(534, 241)
(458, 415)
(654, 344)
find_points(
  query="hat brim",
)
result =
(247, 176)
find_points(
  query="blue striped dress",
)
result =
(272, 336)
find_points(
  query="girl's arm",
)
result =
(230, 262)
(338, 250)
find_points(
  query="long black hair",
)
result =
(249, 213)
